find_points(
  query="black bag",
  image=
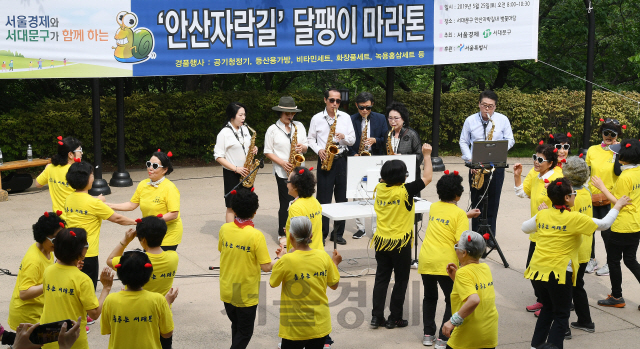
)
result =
(17, 182)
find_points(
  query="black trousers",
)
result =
(332, 184)
(397, 261)
(285, 199)
(91, 267)
(315, 343)
(230, 180)
(166, 343)
(599, 212)
(580, 300)
(622, 246)
(430, 301)
(242, 322)
(532, 248)
(495, 189)
(169, 248)
(448, 347)
(553, 321)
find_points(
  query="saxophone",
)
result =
(389, 145)
(363, 138)
(478, 178)
(295, 159)
(250, 163)
(330, 149)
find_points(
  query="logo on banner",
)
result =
(487, 33)
(132, 46)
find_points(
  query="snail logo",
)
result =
(132, 46)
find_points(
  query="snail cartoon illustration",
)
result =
(132, 46)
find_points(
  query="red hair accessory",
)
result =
(72, 233)
(301, 171)
(159, 215)
(117, 265)
(61, 224)
(233, 192)
(252, 189)
(564, 161)
(59, 213)
(558, 184)
(138, 220)
(169, 154)
(46, 214)
(455, 173)
(601, 120)
(59, 138)
(546, 181)
(486, 236)
(624, 127)
(551, 136)
(148, 265)
(628, 145)
(569, 134)
(311, 169)
(555, 150)
(581, 155)
(446, 172)
(159, 150)
(60, 143)
(77, 160)
(469, 238)
(541, 142)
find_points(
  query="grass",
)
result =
(78, 70)
(23, 63)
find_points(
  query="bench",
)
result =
(16, 165)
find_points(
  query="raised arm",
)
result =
(427, 174)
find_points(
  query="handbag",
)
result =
(600, 200)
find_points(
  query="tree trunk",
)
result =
(268, 81)
(503, 74)
(206, 83)
(191, 82)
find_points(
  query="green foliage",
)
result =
(187, 122)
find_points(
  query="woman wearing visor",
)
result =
(157, 196)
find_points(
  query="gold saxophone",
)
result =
(389, 145)
(295, 159)
(478, 178)
(250, 163)
(330, 149)
(363, 139)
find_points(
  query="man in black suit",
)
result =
(374, 139)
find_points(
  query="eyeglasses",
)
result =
(574, 193)
(363, 107)
(610, 133)
(538, 159)
(50, 239)
(153, 165)
(458, 248)
(396, 118)
(335, 100)
(563, 146)
(611, 121)
(79, 150)
(487, 106)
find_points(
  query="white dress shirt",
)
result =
(319, 130)
(473, 130)
(277, 141)
(229, 144)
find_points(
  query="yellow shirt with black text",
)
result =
(584, 205)
(163, 199)
(394, 217)
(601, 162)
(310, 208)
(56, 178)
(304, 306)
(446, 223)
(628, 183)
(534, 187)
(86, 212)
(164, 265)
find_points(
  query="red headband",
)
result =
(72, 233)
(159, 215)
(61, 224)
(46, 214)
(59, 138)
(77, 160)
(138, 220)
(486, 236)
(169, 154)
(59, 213)
(469, 237)
(558, 183)
(148, 265)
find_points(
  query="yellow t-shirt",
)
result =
(559, 238)
(242, 250)
(446, 223)
(310, 208)
(135, 319)
(480, 328)
(31, 272)
(68, 294)
(304, 306)
(394, 217)
(584, 205)
(59, 189)
(164, 265)
(86, 212)
(534, 187)
(628, 183)
(163, 199)
(601, 162)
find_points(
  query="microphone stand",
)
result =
(249, 175)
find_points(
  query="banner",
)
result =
(116, 38)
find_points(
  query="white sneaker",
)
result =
(592, 266)
(441, 344)
(427, 340)
(603, 271)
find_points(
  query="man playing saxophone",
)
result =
(370, 129)
(285, 139)
(332, 182)
(477, 127)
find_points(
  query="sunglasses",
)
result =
(574, 193)
(563, 146)
(364, 107)
(50, 239)
(334, 100)
(79, 150)
(538, 159)
(153, 165)
(610, 133)
(611, 121)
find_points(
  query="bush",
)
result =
(187, 123)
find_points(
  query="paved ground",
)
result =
(198, 311)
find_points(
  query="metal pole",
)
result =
(391, 74)
(121, 177)
(436, 161)
(588, 93)
(100, 186)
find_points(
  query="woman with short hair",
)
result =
(301, 185)
(404, 139)
(55, 174)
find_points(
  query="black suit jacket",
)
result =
(378, 129)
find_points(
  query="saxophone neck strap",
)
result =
(238, 138)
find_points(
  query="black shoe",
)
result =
(585, 327)
(359, 234)
(567, 335)
(340, 240)
(398, 323)
(376, 322)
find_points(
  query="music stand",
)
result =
(492, 159)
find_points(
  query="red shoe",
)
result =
(537, 313)
(90, 321)
(535, 307)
